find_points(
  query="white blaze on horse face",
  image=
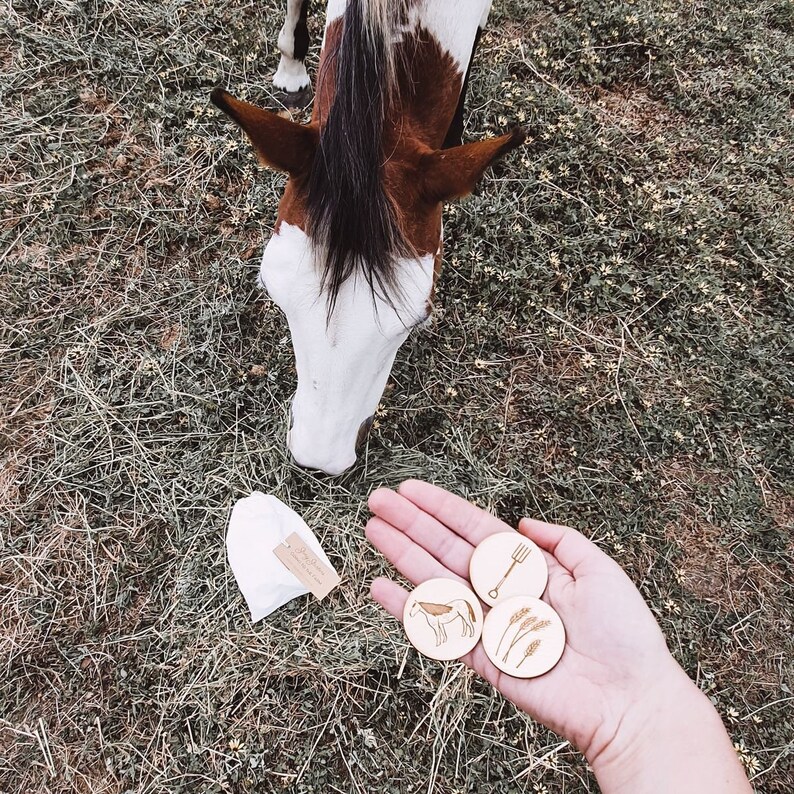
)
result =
(343, 364)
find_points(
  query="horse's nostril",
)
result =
(363, 431)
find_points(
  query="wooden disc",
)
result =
(505, 565)
(443, 619)
(523, 636)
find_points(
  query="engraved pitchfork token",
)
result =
(443, 619)
(523, 636)
(507, 564)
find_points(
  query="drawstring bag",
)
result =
(258, 524)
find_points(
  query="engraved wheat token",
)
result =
(507, 564)
(523, 636)
(443, 619)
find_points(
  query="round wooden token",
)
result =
(523, 636)
(507, 564)
(443, 619)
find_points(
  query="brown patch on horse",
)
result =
(424, 117)
(325, 88)
(418, 174)
(438, 261)
(448, 174)
(292, 207)
(419, 219)
(279, 143)
(435, 609)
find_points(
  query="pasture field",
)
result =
(611, 350)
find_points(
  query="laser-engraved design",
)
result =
(515, 618)
(523, 636)
(528, 623)
(520, 553)
(529, 650)
(439, 615)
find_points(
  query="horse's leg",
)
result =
(293, 42)
(455, 132)
(468, 629)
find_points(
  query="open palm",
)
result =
(614, 653)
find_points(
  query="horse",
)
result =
(357, 244)
(438, 615)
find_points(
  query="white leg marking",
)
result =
(291, 73)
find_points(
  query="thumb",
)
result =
(570, 548)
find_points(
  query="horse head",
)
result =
(356, 248)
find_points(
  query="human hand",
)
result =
(615, 656)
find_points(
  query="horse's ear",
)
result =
(279, 143)
(448, 174)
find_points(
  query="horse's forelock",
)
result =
(349, 215)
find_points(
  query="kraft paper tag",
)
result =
(303, 563)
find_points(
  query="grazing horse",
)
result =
(356, 248)
(438, 615)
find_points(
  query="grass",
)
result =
(612, 350)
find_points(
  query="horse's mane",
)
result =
(349, 215)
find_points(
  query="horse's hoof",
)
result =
(295, 100)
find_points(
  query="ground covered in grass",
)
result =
(612, 350)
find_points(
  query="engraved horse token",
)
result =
(507, 564)
(443, 619)
(523, 636)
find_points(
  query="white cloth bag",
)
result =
(258, 524)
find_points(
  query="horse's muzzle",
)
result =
(363, 431)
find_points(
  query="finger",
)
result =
(448, 548)
(410, 559)
(558, 576)
(470, 522)
(390, 596)
(569, 547)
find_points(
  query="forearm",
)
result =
(674, 743)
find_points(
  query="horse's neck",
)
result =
(434, 48)
(453, 23)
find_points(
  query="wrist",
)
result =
(659, 735)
